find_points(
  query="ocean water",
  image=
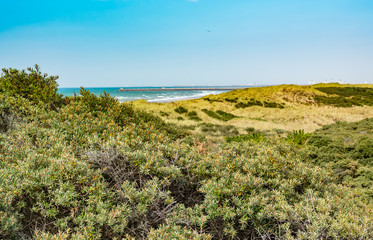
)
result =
(156, 96)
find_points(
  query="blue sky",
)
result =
(179, 42)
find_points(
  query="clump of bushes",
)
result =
(231, 100)
(210, 100)
(254, 102)
(220, 115)
(345, 96)
(194, 116)
(348, 148)
(31, 84)
(273, 105)
(250, 130)
(348, 91)
(211, 113)
(298, 137)
(95, 104)
(181, 110)
(164, 114)
(218, 130)
(225, 116)
(255, 136)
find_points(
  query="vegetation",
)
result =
(93, 168)
(218, 130)
(253, 102)
(298, 137)
(255, 136)
(348, 147)
(32, 85)
(234, 100)
(181, 110)
(220, 115)
(286, 108)
(194, 116)
(346, 97)
(225, 116)
(277, 96)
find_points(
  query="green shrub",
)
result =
(220, 115)
(250, 130)
(253, 102)
(348, 91)
(211, 113)
(234, 100)
(14, 110)
(194, 116)
(172, 130)
(164, 114)
(364, 151)
(347, 147)
(346, 96)
(181, 110)
(256, 137)
(212, 100)
(32, 85)
(218, 130)
(102, 103)
(225, 116)
(298, 137)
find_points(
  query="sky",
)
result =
(118, 43)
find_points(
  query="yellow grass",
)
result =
(294, 116)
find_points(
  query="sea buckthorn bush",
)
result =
(31, 84)
(345, 96)
(348, 148)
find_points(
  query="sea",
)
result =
(151, 96)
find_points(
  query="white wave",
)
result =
(183, 97)
(168, 96)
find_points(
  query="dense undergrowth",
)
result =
(93, 168)
(348, 148)
(345, 97)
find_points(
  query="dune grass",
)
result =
(297, 107)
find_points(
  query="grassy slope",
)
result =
(301, 109)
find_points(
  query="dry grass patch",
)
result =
(291, 118)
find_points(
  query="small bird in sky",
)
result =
(208, 30)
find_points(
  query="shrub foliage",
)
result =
(345, 96)
(220, 115)
(348, 147)
(31, 84)
(98, 169)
